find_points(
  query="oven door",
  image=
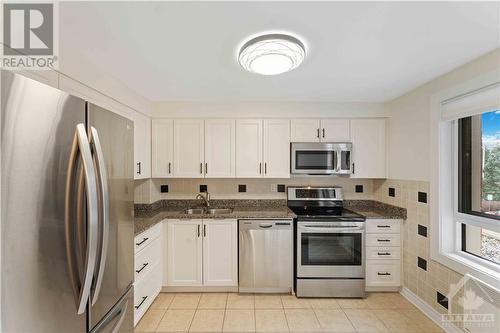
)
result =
(330, 250)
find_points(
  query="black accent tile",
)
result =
(281, 187)
(164, 188)
(422, 230)
(422, 263)
(442, 300)
(358, 188)
(422, 197)
(392, 192)
(203, 188)
(242, 188)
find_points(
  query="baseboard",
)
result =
(428, 310)
(198, 289)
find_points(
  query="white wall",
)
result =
(409, 120)
(267, 109)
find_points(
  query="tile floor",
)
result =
(231, 312)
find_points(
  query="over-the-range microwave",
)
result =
(321, 158)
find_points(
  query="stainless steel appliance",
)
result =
(321, 158)
(330, 249)
(265, 256)
(67, 212)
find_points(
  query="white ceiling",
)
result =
(357, 51)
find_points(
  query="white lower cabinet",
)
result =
(383, 255)
(202, 252)
(148, 270)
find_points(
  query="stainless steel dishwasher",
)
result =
(265, 256)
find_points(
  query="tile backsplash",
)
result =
(149, 190)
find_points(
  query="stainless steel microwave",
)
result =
(321, 158)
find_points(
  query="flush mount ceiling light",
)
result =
(271, 54)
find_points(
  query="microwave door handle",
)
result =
(339, 160)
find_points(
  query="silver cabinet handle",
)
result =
(142, 241)
(138, 168)
(260, 168)
(353, 168)
(204, 230)
(81, 285)
(383, 273)
(198, 230)
(323, 130)
(102, 177)
(169, 168)
(206, 168)
(265, 168)
(201, 168)
(383, 226)
(383, 253)
(317, 133)
(383, 240)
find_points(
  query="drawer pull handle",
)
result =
(383, 226)
(143, 266)
(144, 298)
(383, 273)
(383, 240)
(383, 253)
(142, 241)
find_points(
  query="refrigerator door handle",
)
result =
(102, 177)
(81, 289)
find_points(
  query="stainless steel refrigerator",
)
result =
(66, 212)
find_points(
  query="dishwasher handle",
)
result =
(271, 224)
(265, 225)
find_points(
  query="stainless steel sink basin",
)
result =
(214, 211)
(194, 211)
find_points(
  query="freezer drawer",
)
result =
(265, 256)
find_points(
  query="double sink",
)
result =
(210, 211)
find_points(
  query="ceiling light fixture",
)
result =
(271, 54)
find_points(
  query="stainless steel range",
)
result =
(330, 255)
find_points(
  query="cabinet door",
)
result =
(184, 253)
(369, 148)
(304, 130)
(335, 130)
(277, 148)
(220, 148)
(142, 146)
(162, 147)
(188, 148)
(249, 148)
(220, 252)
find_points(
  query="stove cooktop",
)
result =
(323, 213)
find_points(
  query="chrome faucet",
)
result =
(205, 198)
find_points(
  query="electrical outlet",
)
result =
(274, 188)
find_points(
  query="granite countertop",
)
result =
(147, 216)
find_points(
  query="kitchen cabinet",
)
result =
(320, 130)
(220, 253)
(383, 255)
(189, 148)
(162, 148)
(184, 253)
(277, 148)
(202, 253)
(142, 146)
(368, 138)
(249, 138)
(148, 270)
(220, 148)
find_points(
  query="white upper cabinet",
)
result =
(142, 146)
(277, 148)
(48, 77)
(189, 147)
(369, 148)
(335, 130)
(320, 130)
(162, 148)
(249, 148)
(305, 130)
(184, 253)
(220, 148)
(220, 252)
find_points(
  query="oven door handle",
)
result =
(330, 229)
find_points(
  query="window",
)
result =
(479, 184)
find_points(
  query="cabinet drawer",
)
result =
(145, 291)
(383, 273)
(144, 239)
(383, 240)
(383, 226)
(146, 259)
(382, 252)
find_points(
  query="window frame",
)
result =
(446, 246)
